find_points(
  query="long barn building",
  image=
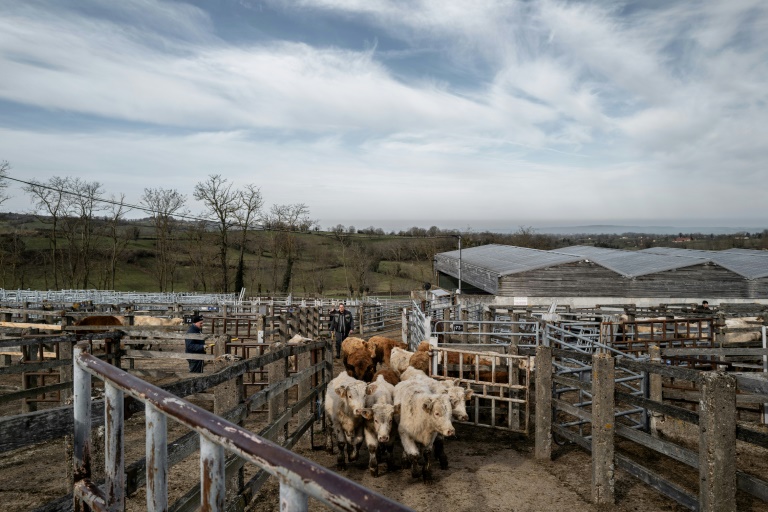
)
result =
(589, 275)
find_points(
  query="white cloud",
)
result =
(557, 109)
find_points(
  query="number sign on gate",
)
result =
(458, 327)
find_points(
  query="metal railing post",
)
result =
(82, 414)
(211, 476)
(157, 459)
(292, 499)
(114, 457)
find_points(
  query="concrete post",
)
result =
(603, 465)
(465, 319)
(514, 329)
(486, 328)
(404, 326)
(717, 443)
(655, 389)
(361, 316)
(543, 413)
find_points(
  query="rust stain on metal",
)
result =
(83, 471)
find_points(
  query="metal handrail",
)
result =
(299, 477)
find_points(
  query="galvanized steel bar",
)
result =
(212, 478)
(82, 413)
(157, 459)
(292, 499)
(114, 456)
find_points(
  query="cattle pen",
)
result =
(639, 398)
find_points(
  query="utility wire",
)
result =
(257, 227)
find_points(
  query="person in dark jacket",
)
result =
(341, 324)
(195, 346)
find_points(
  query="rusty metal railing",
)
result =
(299, 478)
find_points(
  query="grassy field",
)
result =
(323, 265)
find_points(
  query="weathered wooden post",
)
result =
(603, 466)
(65, 352)
(361, 317)
(303, 361)
(717, 443)
(278, 372)
(30, 354)
(655, 389)
(543, 447)
(227, 395)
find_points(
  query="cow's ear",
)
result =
(450, 382)
(397, 409)
(341, 390)
(468, 394)
(366, 413)
(428, 404)
(371, 389)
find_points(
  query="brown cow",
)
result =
(384, 348)
(351, 344)
(420, 361)
(359, 364)
(388, 376)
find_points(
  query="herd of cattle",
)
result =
(400, 400)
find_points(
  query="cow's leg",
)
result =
(330, 436)
(341, 458)
(410, 454)
(373, 463)
(440, 452)
(426, 472)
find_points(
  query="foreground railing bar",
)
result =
(318, 482)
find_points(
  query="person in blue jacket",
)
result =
(195, 346)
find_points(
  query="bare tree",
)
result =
(81, 202)
(220, 202)
(285, 221)
(163, 205)
(48, 198)
(246, 214)
(117, 240)
(4, 168)
(364, 259)
(202, 256)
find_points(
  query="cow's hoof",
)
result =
(426, 475)
(444, 463)
(374, 472)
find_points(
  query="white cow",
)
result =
(399, 360)
(379, 415)
(344, 403)
(456, 394)
(423, 415)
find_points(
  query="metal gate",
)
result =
(500, 383)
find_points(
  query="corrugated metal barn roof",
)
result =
(631, 263)
(508, 259)
(746, 263)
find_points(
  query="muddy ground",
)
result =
(489, 470)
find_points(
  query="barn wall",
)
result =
(587, 279)
(580, 279)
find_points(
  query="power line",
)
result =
(257, 226)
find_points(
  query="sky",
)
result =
(482, 114)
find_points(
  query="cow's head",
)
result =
(439, 409)
(353, 395)
(382, 416)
